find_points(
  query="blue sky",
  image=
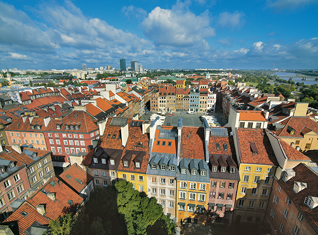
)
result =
(228, 34)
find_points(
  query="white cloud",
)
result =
(289, 4)
(231, 20)
(242, 51)
(258, 46)
(17, 56)
(177, 28)
(132, 11)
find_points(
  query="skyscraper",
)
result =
(84, 66)
(134, 66)
(122, 64)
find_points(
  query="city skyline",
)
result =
(159, 34)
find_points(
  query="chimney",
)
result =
(180, 120)
(41, 209)
(51, 196)
(124, 134)
(16, 147)
(266, 115)
(46, 121)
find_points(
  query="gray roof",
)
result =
(168, 159)
(164, 160)
(203, 165)
(193, 164)
(167, 134)
(185, 162)
(219, 132)
(155, 159)
(118, 122)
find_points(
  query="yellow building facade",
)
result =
(139, 180)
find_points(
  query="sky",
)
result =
(188, 34)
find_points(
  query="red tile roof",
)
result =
(76, 177)
(24, 96)
(92, 109)
(192, 143)
(298, 124)
(265, 154)
(248, 115)
(166, 148)
(102, 104)
(111, 130)
(306, 175)
(259, 101)
(221, 140)
(111, 94)
(292, 153)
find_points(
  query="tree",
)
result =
(4, 83)
(128, 81)
(62, 226)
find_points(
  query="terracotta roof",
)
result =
(48, 100)
(298, 124)
(264, 153)
(111, 130)
(306, 175)
(24, 222)
(111, 94)
(257, 102)
(192, 143)
(24, 96)
(221, 140)
(76, 177)
(92, 109)
(124, 96)
(292, 153)
(247, 115)
(160, 148)
(103, 104)
(290, 105)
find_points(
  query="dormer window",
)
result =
(193, 172)
(163, 167)
(137, 164)
(108, 136)
(217, 146)
(311, 201)
(223, 169)
(95, 160)
(32, 127)
(232, 170)
(153, 166)
(76, 127)
(214, 169)
(103, 161)
(225, 147)
(67, 127)
(125, 163)
(58, 126)
(172, 168)
(183, 171)
(299, 186)
(203, 172)
(112, 162)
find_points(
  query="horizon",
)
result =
(254, 35)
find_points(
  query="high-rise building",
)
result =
(134, 65)
(122, 64)
(141, 68)
(84, 66)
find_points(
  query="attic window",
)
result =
(163, 143)
(291, 130)
(153, 166)
(114, 136)
(223, 169)
(108, 136)
(125, 163)
(218, 146)
(203, 172)
(76, 127)
(11, 164)
(225, 147)
(169, 143)
(214, 168)
(163, 167)
(158, 142)
(58, 126)
(24, 213)
(137, 164)
(67, 127)
(232, 170)
(193, 172)
(253, 148)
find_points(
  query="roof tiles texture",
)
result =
(298, 124)
(252, 116)
(192, 143)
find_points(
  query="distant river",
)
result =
(286, 76)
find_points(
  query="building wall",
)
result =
(292, 217)
(102, 177)
(254, 204)
(168, 199)
(133, 177)
(26, 137)
(3, 136)
(308, 142)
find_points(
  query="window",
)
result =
(213, 184)
(250, 125)
(258, 125)
(246, 178)
(183, 171)
(192, 196)
(261, 205)
(42, 141)
(141, 178)
(31, 169)
(95, 160)
(300, 217)
(26, 141)
(201, 197)
(51, 141)
(171, 193)
(275, 199)
(229, 196)
(57, 142)
(137, 164)
(172, 168)
(154, 191)
(202, 187)
(103, 161)
(47, 169)
(183, 185)
(221, 196)
(242, 124)
(258, 169)
(214, 168)
(256, 179)
(125, 163)
(153, 180)
(67, 150)
(232, 170)
(132, 177)
(267, 180)
(281, 227)
(97, 182)
(162, 192)
(203, 172)
(288, 201)
(285, 213)
(17, 134)
(112, 162)
(279, 188)
(71, 142)
(112, 173)
(34, 179)
(163, 203)
(169, 143)
(11, 133)
(171, 181)
(222, 184)
(82, 142)
(69, 135)
(2, 203)
(231, 185)
(251, 204)
(11, 195)
(38, 165)
(182, 195)
(95, 172)
(193, 186)
(247, 168)
(162, 180)
(65, 142)
(76, 142)
(241, 203)
(254, 191)
(212, 194)
(16, 177)
(243, 190)
(56, 135)
(171, 204)
(7, 184)
(193, 172)
(41, 174)
(20, 188)
(104, 183)
(104, 173)
(181, 207)
(296, 230)
(264, 192)
(272, 213)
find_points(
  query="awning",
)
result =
(192, 205)
(181, 203)
(200, 206)
(211, 204)
(220, 205)
(228, 206)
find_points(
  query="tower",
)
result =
(122, 64)
(134, 65)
